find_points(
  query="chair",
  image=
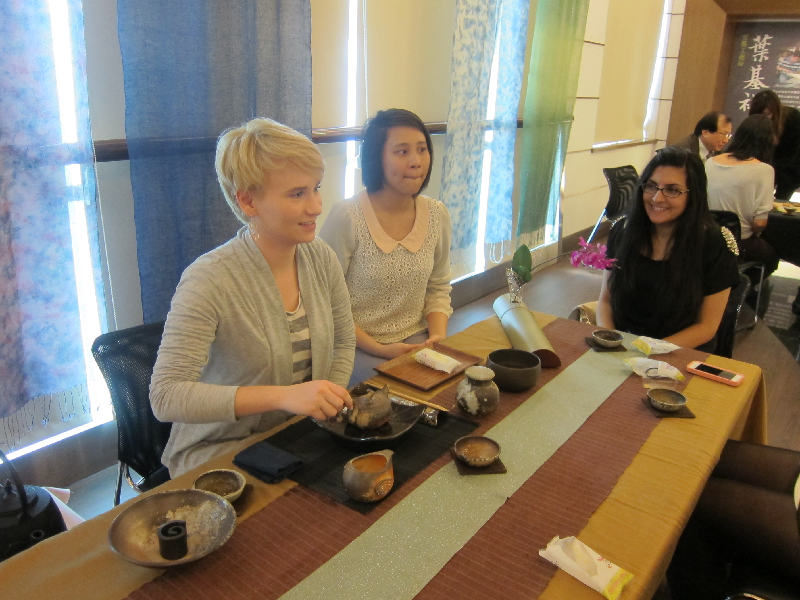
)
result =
(727, 326)
(730, 220)
(126, 359)
(621, 186)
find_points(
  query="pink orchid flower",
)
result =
(591, 255)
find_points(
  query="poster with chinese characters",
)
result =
(766, 54)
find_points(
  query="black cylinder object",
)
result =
(172, 540)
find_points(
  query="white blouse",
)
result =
(393, 284)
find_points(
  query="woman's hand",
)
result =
(396, 349)
(434, 339)
(319, 399)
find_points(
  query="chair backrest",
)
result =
(622, 183)
(730, 220)
(126, 359)
(727, 326)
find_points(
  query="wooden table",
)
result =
(637, 525)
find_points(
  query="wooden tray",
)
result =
(404, 368)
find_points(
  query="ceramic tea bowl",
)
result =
(666, 400)
(514, 370)
(607, 338)
(370, 477)
(476, 450)
(224, 482)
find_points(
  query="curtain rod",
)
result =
(114, 150)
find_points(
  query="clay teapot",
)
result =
(371, 408)
(368, 478)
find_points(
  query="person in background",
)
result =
(393, 243)
(742, 181)
(674, 268)
(786, 133)
(260, 328)
(710, 135)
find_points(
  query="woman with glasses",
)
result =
(674, 268)
(740, 180)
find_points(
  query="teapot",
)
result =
(28, 514)
(371, 408)
(368, 478)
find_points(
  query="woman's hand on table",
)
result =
(319, 399)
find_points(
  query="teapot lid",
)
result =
(10, 501)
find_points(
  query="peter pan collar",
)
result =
(415, 238)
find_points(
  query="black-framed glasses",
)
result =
(670, 191)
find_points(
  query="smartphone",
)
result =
(715, 373)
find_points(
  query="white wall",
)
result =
(586, 190)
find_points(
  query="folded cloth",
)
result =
(266, 462)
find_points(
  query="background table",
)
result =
(637, 526)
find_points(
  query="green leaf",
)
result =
(522, 264)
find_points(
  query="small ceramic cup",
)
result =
(223, 482)
(477, 450)
(666, 400)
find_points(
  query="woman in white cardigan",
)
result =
(260, 329)
(392, 242)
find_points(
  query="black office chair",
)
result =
(730, 220)
(622, 183)
(126, 359)
(727, 326)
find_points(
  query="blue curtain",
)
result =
(50, 278)
(193, 68)
(483, 27)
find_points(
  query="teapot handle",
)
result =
(17, 481)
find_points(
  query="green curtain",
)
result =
(552, 85)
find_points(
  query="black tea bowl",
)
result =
(514, 370)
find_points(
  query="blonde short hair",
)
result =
(246, 156)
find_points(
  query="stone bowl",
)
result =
(210, 521)
(514, 370)
(223, 482)
(476, 450)
(607, 338)
(666, 400)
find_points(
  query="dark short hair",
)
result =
(373, 139)
(709, 121)
(752, 139)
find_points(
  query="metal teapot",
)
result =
(28, 514)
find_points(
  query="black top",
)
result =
(786, 160)
(651, 313)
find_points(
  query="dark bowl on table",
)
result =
(514, 370)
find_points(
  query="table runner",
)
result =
(320, 529)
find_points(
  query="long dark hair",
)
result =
(373, 139)
(767, 99)
(752, 139)
(682, 290)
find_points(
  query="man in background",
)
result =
(710, 135)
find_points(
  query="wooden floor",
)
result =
(556, 290)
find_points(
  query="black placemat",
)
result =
(594, 345)
(682, 413)
(324, 458)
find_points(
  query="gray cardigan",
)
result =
(227, 328)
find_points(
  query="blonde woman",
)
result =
(260, 328)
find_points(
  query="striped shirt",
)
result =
(301, 344)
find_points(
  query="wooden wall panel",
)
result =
(698, 66)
